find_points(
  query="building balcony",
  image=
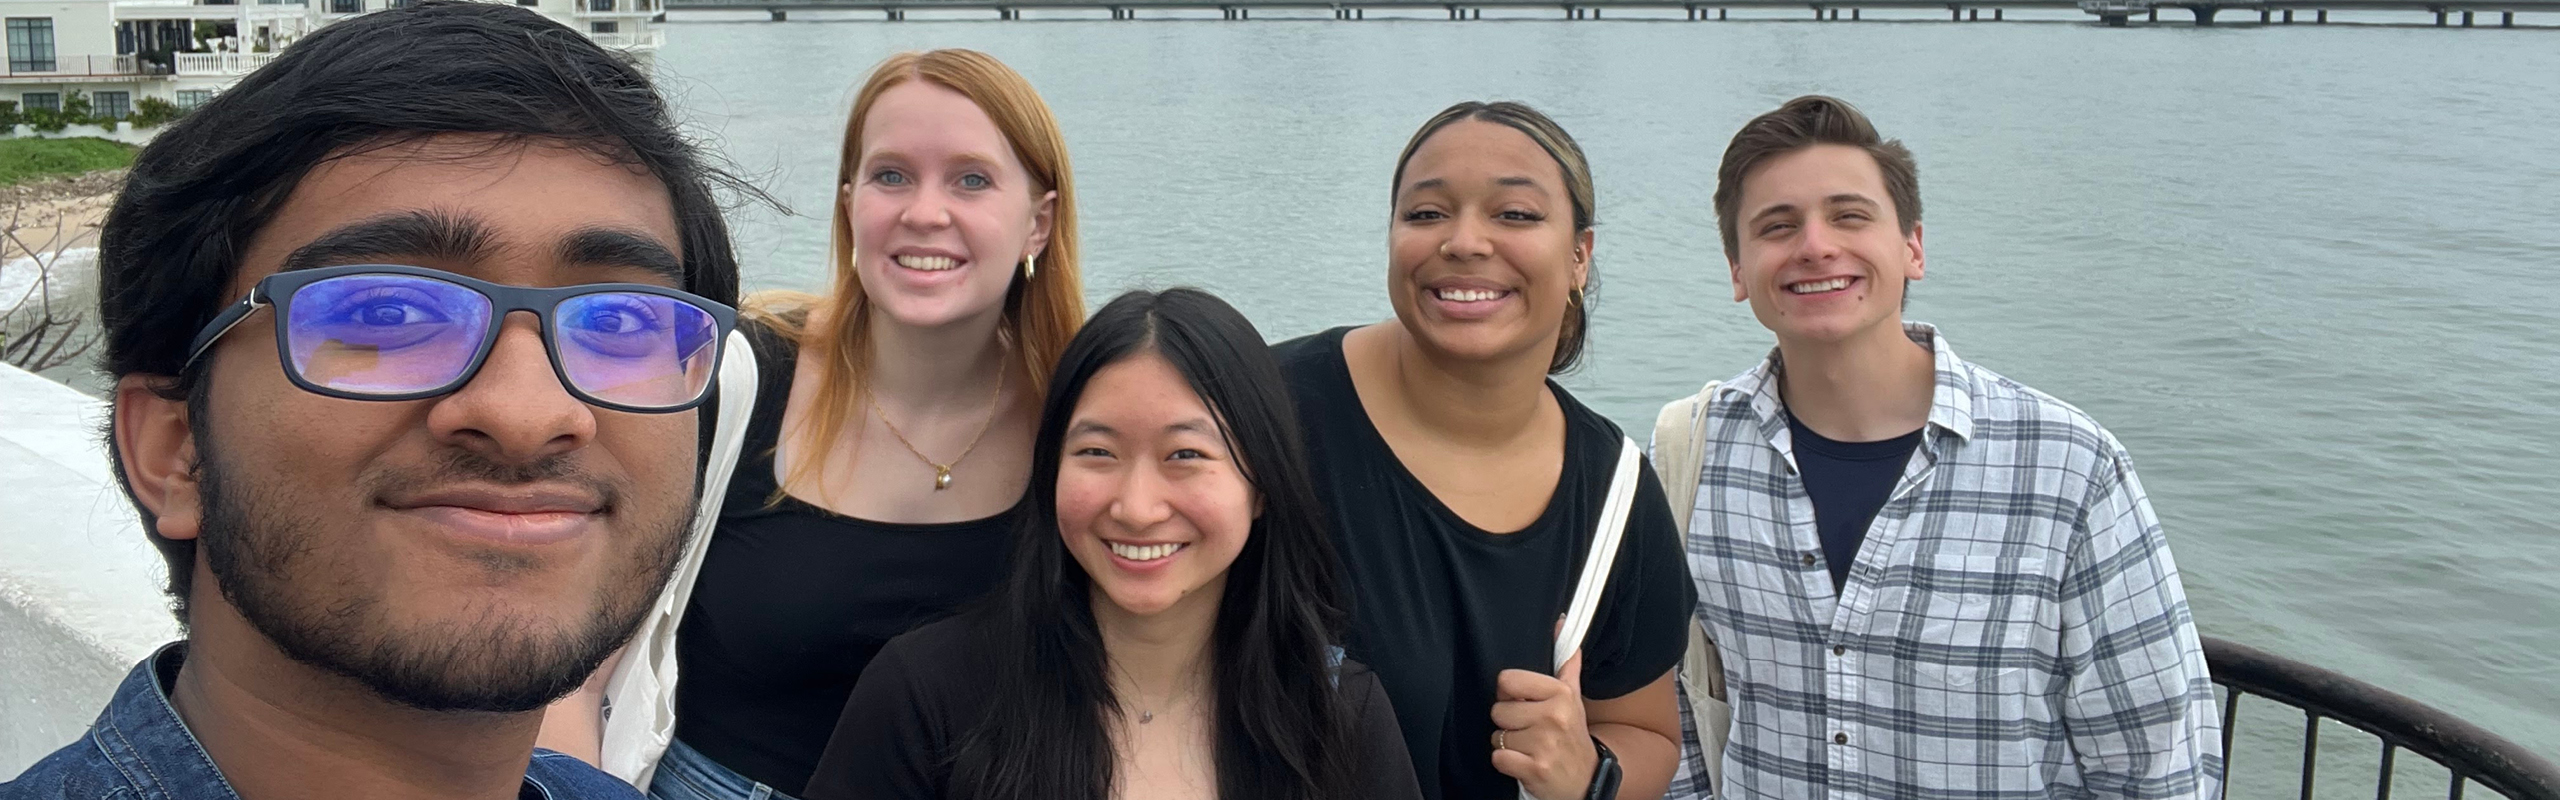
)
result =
(619, 9)
(77, 68)
(218, 64)
(650, 39)
(193, 10)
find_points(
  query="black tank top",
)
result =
(794, 600)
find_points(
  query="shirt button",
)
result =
(1839, 650)
(1839, 738)
(1808, 559)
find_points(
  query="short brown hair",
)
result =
(1804, 122)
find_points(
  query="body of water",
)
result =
(2305, 274)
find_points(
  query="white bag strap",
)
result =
(641, 713)
(1604, 554)
(1679, 455)
(1604, 551)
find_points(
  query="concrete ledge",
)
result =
(80, 589)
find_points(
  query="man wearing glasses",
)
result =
(409, 329)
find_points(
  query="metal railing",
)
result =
(82, 66)
(2473, 755)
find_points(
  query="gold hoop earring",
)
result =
(1030, 265)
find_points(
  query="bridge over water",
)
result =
(2448, 13)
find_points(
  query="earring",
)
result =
(1030, 266)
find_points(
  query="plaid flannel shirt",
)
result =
(2013, 626)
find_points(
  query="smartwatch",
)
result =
(1605, 776)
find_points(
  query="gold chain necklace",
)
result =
(942, 472)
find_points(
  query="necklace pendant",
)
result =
(941, 477)
(1145, 717)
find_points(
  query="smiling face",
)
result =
(941, 209)
(1821, 255)
(1151, 500)
(474, 551)
(1483, 255)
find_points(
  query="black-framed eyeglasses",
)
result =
(393, 332)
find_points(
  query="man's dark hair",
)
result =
(1804, 122)
(201, 192)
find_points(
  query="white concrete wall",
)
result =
(80, 589)
(81, 28)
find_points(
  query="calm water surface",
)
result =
(2304, 273)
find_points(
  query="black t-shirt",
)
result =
(1848, 482)
(794, 601)
(923, 693)
(1440, 607)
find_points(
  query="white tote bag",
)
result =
(1604, 554)
(1679, 450)
(640, 697)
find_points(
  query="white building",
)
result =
(183, 51)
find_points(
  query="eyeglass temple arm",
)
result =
(223, 323)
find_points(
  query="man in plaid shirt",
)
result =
(1924, 579)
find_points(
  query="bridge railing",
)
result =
(2473, 755)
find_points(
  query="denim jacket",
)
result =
(139, 749)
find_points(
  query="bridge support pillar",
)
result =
(2507, 19)
(1974, 15)
(2323, 17)
(1721, 12)
(2112, 20)
(1854, 13)
(779, 15)
(2439, 17)
(2155, 16)
(2466, 19)
(1996, 14)
(2288, 16)
(2265, 16)
(1955, 14)
(2204, 14)
(1359, 13)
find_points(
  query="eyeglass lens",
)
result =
(384, 334)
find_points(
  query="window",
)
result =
(31, 44)
(604, 27)
(111, 105)
(528, 2)
(190, 98)
(599, 5)
(49, 101)
(346, 6)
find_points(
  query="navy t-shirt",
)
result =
(1848, 482)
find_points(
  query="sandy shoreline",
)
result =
(53, 215)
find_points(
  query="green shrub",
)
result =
(75, 108)
(46, 120)
(152, 112)
(9, 116)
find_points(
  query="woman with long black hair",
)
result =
(1168, 625)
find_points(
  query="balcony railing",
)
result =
(2472, 755)
(221, 63)
(632, 40)
(82, 67)
(618, 8)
